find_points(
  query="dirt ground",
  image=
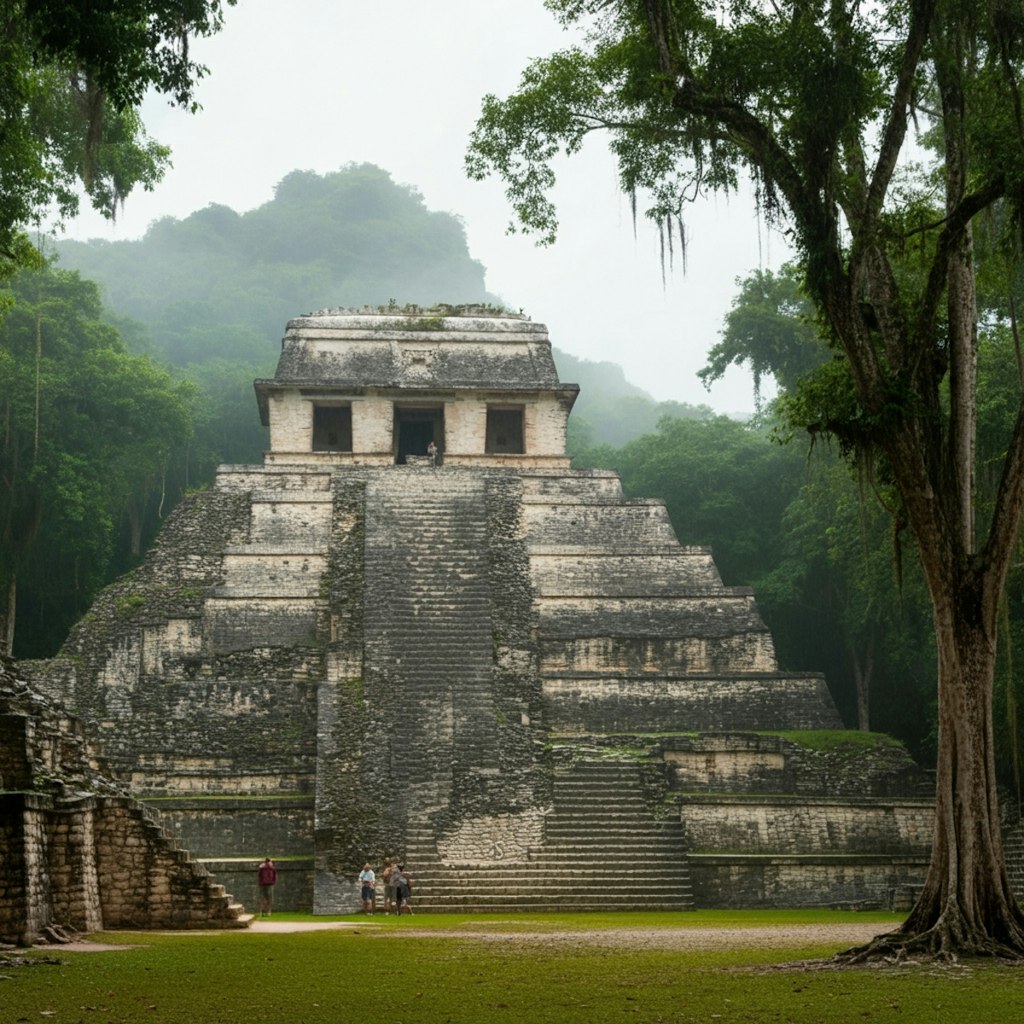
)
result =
(841, 936)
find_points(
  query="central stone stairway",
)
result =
(603, 850)
(428, 647)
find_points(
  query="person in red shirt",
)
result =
(266, 878)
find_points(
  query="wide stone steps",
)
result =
(427, 625)
(532, 905)
(540, 877)
(602, 850)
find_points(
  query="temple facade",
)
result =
(415, 631)
(372, 389)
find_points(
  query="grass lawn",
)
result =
(463, 970)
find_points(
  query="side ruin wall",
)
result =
(76, 852)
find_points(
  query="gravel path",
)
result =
(840, 935)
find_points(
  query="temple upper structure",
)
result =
(374, 388)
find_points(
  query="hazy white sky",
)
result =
(316, 84)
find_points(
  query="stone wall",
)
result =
(809, 825)
(24, 903)
(464, 417)
(641, 704)
(75, 852)
(751, 762)
(773, 822)
(855, 881)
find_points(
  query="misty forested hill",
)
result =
(211, 293)
(610, 410)
(220, 284)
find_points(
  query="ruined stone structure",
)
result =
(482, 661)
(76, 851)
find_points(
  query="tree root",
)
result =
(944, 942)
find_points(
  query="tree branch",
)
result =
(1006, 515)
(959, 217)
(896, 122)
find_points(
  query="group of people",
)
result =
(397, 888)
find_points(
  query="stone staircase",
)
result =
(428, 636)
(204, 902)
(1013, 851)
(603, 850)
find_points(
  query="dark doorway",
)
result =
(415, 428)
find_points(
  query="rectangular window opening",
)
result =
(332, 428)
(504, 430)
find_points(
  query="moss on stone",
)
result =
(829, 740)
(129, 604)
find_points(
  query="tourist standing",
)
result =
(266, 879)
(389, 885)
(403, 889)
(368, 883)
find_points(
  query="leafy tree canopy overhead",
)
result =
(71, 78)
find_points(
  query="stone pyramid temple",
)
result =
(416, 632)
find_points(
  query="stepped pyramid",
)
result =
(416, 632)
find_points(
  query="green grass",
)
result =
(837, 739)
(376, 972)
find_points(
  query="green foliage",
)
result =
(836, 604)
(770, 328)
(127, 46)
(88, 434)
(70, 85)
(128, 605)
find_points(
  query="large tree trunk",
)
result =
(967, 905)
(862, 672)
